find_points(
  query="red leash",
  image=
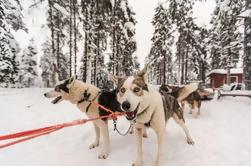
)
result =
(30, 134)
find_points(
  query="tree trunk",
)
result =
(58, 42)
(186, 64)
(182, 68)
(97, 57)
(86, 47)
(164, 69)
(247, 49)
(113, 39)
(179, 68)
(117, 55)
(75, 36)
(52, 37)
(202, 72)
(70, 44)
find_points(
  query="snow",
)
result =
(224, 6)
(235, 92)
(129, 25)
(61, 9)
(123, 7)
(112, 2)
(223, 71)
(222, 135)
(246, 13)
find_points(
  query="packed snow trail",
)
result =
(222, 135)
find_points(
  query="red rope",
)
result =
(30, 134)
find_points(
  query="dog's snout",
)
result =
(126, 105)
(45, 94)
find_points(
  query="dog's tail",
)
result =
(187, 90)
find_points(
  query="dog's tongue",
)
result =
(130, 114)
(56, 99)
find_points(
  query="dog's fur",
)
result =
(80, 93)
(147, 107)
(186, 94)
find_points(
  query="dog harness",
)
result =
(86, 97)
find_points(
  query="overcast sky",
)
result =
(144, 14)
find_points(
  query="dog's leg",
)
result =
(103, 125)
(144, 132)
(161, 138)
(97, 132)
(181, 123)
(196, 109)
(139, 134)
(199, 105)
(191, 108)
(160, 132)
(132, 130)
(182, 105)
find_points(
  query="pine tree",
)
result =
(47, 64)
(174, 17)
(58, 19)
(28, 66)
(123, 44)
(10, 18)
(247, 46)
(162, 41)
(226, 39)
(200, 57)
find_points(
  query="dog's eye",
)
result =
(136, 89)
(122, 90)
(57, 89)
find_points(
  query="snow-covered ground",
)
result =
(222, 135)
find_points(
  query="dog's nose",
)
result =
(126, 105)
(45, 94)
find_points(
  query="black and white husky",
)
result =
(186, 94)
(80, 94)
(147, 107)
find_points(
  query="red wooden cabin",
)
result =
(218, 77)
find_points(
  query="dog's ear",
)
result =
(73, 78)
(143, 73)
(113, 78)
(71, 81)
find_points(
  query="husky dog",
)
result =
(81, 94)
(186, 94)
(147, 108)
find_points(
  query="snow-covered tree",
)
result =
(28, 73)
(47, 64)
(162, 41)
(247, 45)
(10, 18)
(226, 39)
(95, 41)
(58, 21)
(174, 62)
(123, 43)
(200, 55)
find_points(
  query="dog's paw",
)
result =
(94, 145)
(103, 156)
(190, 112)
(190, 141)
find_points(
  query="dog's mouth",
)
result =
(131, 115)
(56, 100)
